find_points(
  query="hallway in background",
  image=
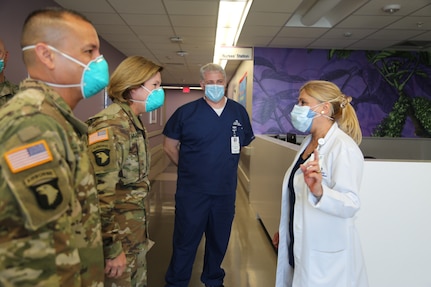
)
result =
(250, 260)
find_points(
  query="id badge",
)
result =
(234, 145)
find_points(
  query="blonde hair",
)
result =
(341, 110)
(133, 72)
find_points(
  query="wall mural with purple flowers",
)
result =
(390, 90)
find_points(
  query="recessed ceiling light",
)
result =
(182, 53)
(391, 8)
(176, 39)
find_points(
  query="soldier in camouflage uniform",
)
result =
(7, 89)
(50, 230)
(118, 147)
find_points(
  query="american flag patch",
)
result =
(100, 135)
(28, 156)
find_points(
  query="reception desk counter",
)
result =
(394, 220)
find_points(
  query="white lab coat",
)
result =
(327, 249)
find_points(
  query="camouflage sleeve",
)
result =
(37, 206)
(7, 91)
(106, 147)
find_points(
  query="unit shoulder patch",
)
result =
(102, 156)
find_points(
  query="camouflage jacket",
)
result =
(50, 231)
(7, 90)
(118, 148)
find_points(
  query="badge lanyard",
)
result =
(320, 143)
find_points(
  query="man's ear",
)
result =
(45, 55)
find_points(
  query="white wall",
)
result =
(394, 223)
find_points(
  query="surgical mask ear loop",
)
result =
(29, 47)
(145, 88)
(60, 52)
(95, 75)
(322, 113)
(142, 101)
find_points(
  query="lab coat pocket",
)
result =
(328, 269)
(330, 232)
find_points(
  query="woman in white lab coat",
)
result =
(318, 245)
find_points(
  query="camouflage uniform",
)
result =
(50, 231)
(7, 90)
(118, 148)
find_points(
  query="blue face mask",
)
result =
(1, 65)
(155, 99)
(214, 92)
(302, 118)
(95, 76)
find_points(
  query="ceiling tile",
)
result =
(137, 6)
(179, 7)
(99, 6)
(194, 20)
(144, 27)
(367, 22)
(388, 34)
(147, 20)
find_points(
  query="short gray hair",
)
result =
(211, 67)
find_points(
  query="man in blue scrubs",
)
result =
(204, 139)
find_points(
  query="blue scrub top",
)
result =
(206, 163)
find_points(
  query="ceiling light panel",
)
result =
(231, 18)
